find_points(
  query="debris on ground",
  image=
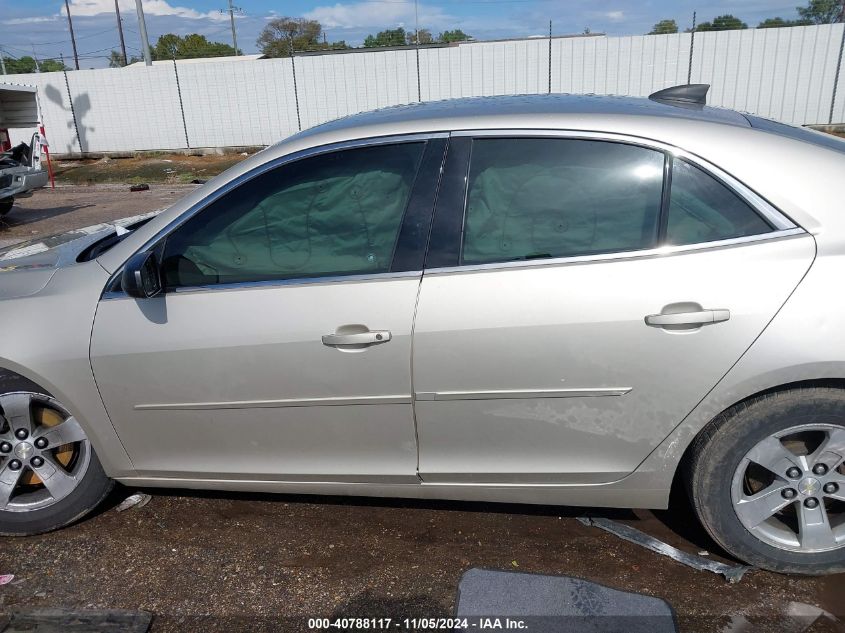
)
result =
(5, 579)
(141, 187)
(137, 500)
(732, 573)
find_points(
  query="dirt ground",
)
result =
(230, 562)
(146, 168)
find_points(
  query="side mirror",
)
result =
(142, 276)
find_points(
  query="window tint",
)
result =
(333, 214)
(535, 198)
(702, 209)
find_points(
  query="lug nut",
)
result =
(37, 461)
(793, 473)
(15, 464)
(21, 434)
(811, 503)
(820, 469)
(788, 493)
(5, 447)
(41, 442)
(830, 488)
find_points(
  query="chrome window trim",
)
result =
(773, 216)
(662, 251)
(279, 283)
(254, 173)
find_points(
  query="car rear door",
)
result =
(581, 295)
(281, 347)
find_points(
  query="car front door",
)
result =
(281, 346)
(581, 296)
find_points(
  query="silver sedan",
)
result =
(543, 299)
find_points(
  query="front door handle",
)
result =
(701, 317)
(358, 338)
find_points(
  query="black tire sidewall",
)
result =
(88, 494)
(739, 431)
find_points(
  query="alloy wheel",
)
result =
(44, 452)
(789, 489)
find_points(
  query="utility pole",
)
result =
(417, 22)
(120, 31)
(35, 57)
(232, 20)
(142, 27)
(72, 38)
(2, 62)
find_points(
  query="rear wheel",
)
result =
(49, 472)
(6, 205)
(768, 481)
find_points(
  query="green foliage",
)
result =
(453, 36)
(26, 64)
(722, 23)
(284, 34)
(663, 27)
(776, 23)
(424, 35)
(171, 46)
(389, 37)
(116, 60)
(823, 11)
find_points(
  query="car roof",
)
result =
(461, 112)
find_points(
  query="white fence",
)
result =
(788, 74)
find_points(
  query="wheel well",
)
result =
(678, 482)
(13, 381)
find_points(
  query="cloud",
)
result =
(32, 20)
(151, 7)
(377, 14)
(615, 16)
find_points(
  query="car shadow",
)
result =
(21, 217)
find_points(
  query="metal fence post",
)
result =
(550, 57)
(836, 78)
(181, 105)
(419, 88)
(691, 49)
(295, 91)
(73, 114)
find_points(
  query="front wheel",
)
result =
(768, 483)
(49, 473)
(6, 205)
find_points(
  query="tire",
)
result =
(6, 205)
(728, 486)
(33, 508)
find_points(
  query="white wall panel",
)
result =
(239, 104)
(784, 74)
(332, 86)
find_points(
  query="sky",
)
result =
(41, 25)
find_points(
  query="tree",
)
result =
(663, 27)
(423, 34)
(26, 64)
(775, 23)
(722, 23)
(823, 11)
(388, 37)
(282, 35)
(171, 46)
(453, 36)
(116, 60)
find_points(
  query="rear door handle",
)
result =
(701, 317)
(358, 338)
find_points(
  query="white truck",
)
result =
(20, 166)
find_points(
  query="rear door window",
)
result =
(533, 198)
